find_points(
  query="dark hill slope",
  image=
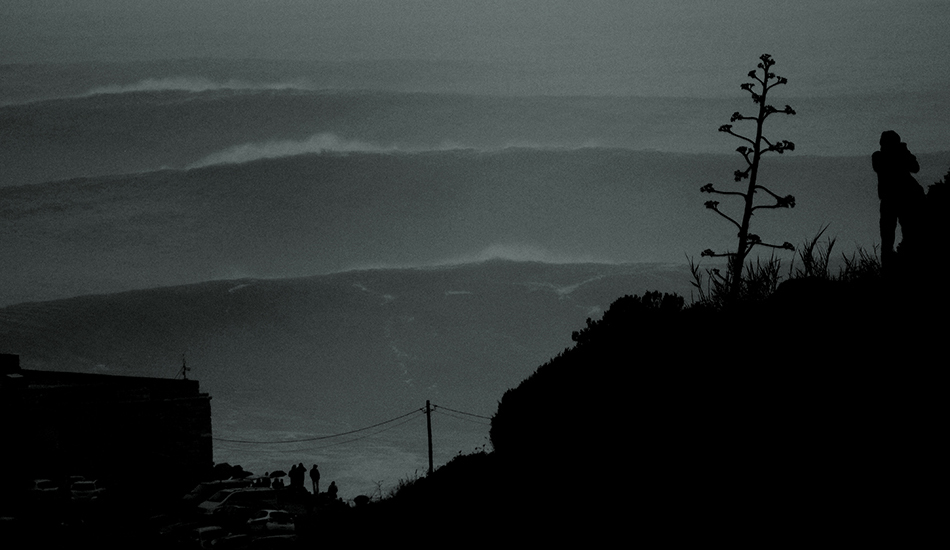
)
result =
(817, 408)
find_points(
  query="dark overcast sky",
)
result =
(675, 42)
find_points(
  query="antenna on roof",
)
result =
(184, 369)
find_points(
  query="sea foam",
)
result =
(330, 142)
(316, 143)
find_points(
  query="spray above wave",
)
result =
(317, 143)
(509, 251)
(525, 252)
(326, 142)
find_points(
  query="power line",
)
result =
(320, 437)
(463, 419)
(437, 408)
(462, 412)
(312, 447)
(406, 421)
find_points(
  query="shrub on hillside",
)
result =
(579, 394)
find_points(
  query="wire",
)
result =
(320, 437)
(418, 413)
(461, 412)
(406, 421)
(473, 421)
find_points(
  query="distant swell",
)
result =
(190, 84)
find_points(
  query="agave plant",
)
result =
(752, 151)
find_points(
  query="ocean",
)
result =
(304, 233)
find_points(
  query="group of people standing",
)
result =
(298, 474)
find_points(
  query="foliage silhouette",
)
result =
(534, 415)
(651, 421)
(815, 261)
(623, 310)
(752, 155)
(937, 208)
(759, 281)
(915, 257)
(831, 389)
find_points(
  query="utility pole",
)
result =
(429, 428)
(184, 369)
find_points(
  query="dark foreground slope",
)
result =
(816, 411)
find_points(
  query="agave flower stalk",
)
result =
(752, 152)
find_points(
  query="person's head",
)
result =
(890, 139)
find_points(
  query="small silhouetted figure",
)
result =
(297, 473)
(901, 196)
(331, 490)
(292, 474)
(315, 479)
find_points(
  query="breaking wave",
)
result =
(317, 143)
(328, 142)
(524, 252)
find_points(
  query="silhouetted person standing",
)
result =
(315, 479)
(899, 192)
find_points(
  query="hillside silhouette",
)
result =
(779, 430)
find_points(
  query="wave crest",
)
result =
(525, 252)
(329, 142)
(317, 143)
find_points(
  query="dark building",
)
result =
(127, 431)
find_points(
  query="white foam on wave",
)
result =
(333, 143)
(509, 251)
(317, 143)
(524, 252)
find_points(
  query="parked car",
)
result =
(203, 490)
(85, 490)
(274, 521)
(44, 490)
(44, 486)
(232, 516)
(215, 500)
(250, 497)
